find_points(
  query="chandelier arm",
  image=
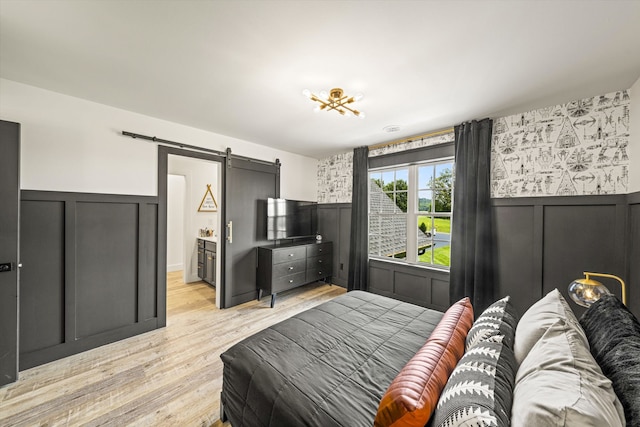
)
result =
(316, 99)
(355, 112)
(334, 106)
(342, 101)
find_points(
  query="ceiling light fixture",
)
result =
(335, 100)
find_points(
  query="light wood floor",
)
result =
(170, 376)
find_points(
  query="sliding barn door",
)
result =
(9, 230)
(248, 185)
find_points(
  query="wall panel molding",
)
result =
(422, 286)
(95, 254)
(334, 223)
(545, 242)
(633, 252)
(542, 243)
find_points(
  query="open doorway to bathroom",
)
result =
(193, 224)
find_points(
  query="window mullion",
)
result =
(412, 216)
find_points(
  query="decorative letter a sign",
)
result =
(208, 203)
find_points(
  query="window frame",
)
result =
(433, 213)
(389, 215)
(413, 160)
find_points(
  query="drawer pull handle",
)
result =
(290, 254)
(319, 272)
(320, 250)
(291, 281)
(319, 261)
(290, 268)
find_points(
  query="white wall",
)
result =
(70, 144)
(634, 140)
(176, 185)
(198, 173)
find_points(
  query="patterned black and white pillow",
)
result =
(479, 391)
(496, 324)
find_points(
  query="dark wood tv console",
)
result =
(287, 266)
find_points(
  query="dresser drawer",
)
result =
(290, 267)
(314, 274)
(289, 254)
(209, 246)
(321, 262)
(319, 249)
(287, 282)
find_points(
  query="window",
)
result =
(410, 212)
(388, 199)
(435, 191)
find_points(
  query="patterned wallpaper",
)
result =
(577, 148)
(335, 173)
(335, 178)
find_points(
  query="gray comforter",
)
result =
(327, 366)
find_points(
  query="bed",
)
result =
(326, 365)
(363, 359)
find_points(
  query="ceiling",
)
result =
(238, 68)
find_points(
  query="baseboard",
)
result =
(174, 267)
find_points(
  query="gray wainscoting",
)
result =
(422, 286)
(542, 243)
(633, 251)
(89, 272)
(334, 223)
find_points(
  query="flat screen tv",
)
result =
(291, 219)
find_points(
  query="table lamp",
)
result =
(586, 291)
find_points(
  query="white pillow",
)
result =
(537, 319)
(560, 384)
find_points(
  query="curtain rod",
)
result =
(195, 148)
(411, 138)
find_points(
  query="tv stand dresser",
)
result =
(289, 265)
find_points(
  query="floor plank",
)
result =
(170, 376)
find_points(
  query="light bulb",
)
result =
(307, 93)
(324, 94)
(362, 115)
(316, 109)
(358, 96)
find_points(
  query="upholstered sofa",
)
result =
(363, 359)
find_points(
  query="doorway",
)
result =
(176, 188)
(193, 205)
(244, 183)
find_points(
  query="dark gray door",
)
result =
(248, 185)
(9, 229)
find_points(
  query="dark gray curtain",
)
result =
(472, 247)
(359, 239)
